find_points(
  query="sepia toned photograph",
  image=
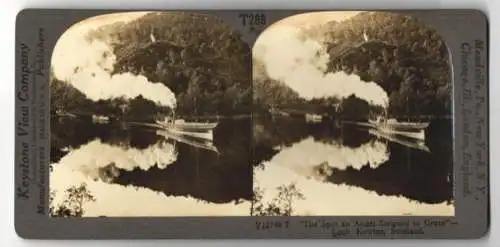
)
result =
(151, 116)
(352, 116)
(277, 124)
(158, 114)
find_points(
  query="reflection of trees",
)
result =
(407, 172)
(354, 137)
(284, 132)
(411, 173)
(279, 131)
(69, 132)
(72, 205)
(196, 172)
(281, 205)
(203, 174)
(268, 134)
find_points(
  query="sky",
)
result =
(302, 63)
(87, 65)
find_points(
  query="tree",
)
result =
(72, 205)
(281, 205)
(197, 56)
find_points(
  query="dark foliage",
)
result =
(67, 100)
(406, 57)
(281, 205)
(72, 205)
(199, 57)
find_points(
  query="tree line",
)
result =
(406, 57)
(66, 99)
(403, 55)
(269, 94)
(200, 58)
(207, 65)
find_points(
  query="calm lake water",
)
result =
(134, 170)
(351, 170)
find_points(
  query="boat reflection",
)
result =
(414, 130)
(203, 140)
(407, 142)
(192, 141)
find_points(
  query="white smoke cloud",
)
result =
(90, 159)
(301, 63)
(87, 65)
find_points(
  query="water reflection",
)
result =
(313, 158)
(408, 142)
(281, 166)
(325, 198)
(103, 161)
(132, 201)
(343, 171)
(143, 163)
